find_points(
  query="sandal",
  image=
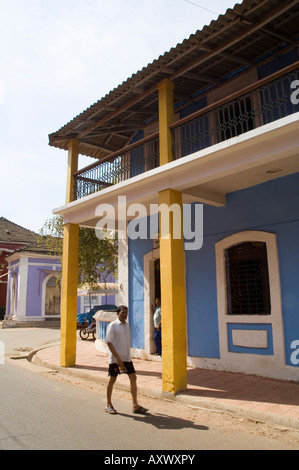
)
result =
(140, 410)
(110, 410)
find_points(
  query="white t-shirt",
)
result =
(157, 316)
(118, 334)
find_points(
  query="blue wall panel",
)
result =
(271, 207)
(268, 351)
(137, 250)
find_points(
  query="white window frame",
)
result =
(44, 288)
(251, 363)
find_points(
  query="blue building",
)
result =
(197, 167)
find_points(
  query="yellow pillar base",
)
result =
(69, 295)
(173, 297)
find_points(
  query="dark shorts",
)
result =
(114, 369)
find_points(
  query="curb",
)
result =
(240, 412)
(194, 402)
(8, 324)
(68, 371)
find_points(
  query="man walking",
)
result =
(119, 343)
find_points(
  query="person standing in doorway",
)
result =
(119, 343)
(157, 318)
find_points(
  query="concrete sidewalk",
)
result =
(269, 400)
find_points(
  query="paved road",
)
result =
(18, 341)
(38, 412)
(42, 413)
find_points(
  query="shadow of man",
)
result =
(162, 421)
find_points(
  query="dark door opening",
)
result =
(157, 278)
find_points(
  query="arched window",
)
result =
(52, 282)
(52, 301)
(249, 304)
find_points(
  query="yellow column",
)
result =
(72, 167)
(173, 297)
(166, 117)
(68, 320)
(68, 323)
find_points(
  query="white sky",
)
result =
(57, 57)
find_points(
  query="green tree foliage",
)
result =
(97, 257)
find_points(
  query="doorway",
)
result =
(152, 289)
(52, 302)
(157, 278)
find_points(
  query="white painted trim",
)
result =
(123, 269)
(15, 255)
(258, 147)
(13, 282)
(8, 292)
(22, 288)
(30, 318)
(55, 266)
(246, 339)
(287, 373)
(43, 301)
(265, 365)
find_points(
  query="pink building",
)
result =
(12, 237)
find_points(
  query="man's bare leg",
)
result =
(111, 382)
(133, 383)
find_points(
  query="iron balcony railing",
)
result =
(128, 162)
(264, 102)
(259, 104)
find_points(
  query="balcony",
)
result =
(130, 161)
(264, 102)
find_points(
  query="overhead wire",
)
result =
(203, 8)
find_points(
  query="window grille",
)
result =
(248, 290)
(255, 108)
(235, 118)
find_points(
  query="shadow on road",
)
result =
(161, 421)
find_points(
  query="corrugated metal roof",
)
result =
(237, 39)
